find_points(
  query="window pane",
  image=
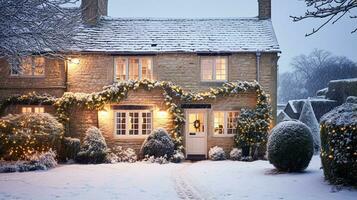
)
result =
(207, 69)
(26, 109)
(26, 66)
(146, 68)
(120, 64)
(196, 122)
(133, 123)
(120, 123)
(146, 123)
(39, 109)
(219, 123)
(231, 122)
(221, 66)
(133, 69)
(39, 66)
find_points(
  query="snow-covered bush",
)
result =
(351, 99)
(308, 117)
(290, 146)
(158, 160)
(235, 154)
(118, 154)
(93, 148)
(38, 161)
(216, 153)
(158, 144)
(339, 144)
(25, 134)
(69, 149)
(177, 157)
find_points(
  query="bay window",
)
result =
(214, 68)
(133, 122)
(225, 122)
(31, 66)
(133, 68)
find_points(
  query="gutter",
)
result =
(258, 56)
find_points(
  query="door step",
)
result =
(196, 157)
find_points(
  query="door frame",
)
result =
(205, 139)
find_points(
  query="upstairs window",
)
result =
(137, 68)
(214, 68)
(32, 109)
(32, 66)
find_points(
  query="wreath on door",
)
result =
(197, 124)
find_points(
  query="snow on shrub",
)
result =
(93, 148)
(308, 117)
(290, 146)
(69, 149)
(339, 144)
(118, 154)
(38, 161)
(177, 157)
(235, 154)
(351, 99)
(158, 160)
(158, 144)
(216, 153)
(25, 134)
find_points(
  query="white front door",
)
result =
(196, 132)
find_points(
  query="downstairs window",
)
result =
(133, 123)
(225, 122)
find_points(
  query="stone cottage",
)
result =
(195, 54)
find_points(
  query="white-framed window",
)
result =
(214, 68)
(224, 122)
(133, 68)
(31, 66)
(133, 122)
(32, 109)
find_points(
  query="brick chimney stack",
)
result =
(92, 10)
(264, 9)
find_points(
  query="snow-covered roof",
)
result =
(150, 35)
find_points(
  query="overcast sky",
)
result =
(291, 36)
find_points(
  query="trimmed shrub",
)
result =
(118, 154)
(307, 117)
(235, 154)
(69, 149)
(26, 134)
(94, 148)
(158, 144)
(339, 144)
(290, 146)
(216, 153)
(177, 157)
(351, 99)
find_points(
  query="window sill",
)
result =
(28, 77)
(130, 137)
(223, 136)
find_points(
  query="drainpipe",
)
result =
(258, 55)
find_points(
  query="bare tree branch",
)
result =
(331, 10)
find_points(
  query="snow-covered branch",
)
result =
(331, 10)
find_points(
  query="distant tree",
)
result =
(331, 10)
(313, 72)
(36, 26)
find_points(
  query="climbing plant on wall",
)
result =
(173, 96)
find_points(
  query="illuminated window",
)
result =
(30, 66)
(133, 68)
(133, 123)
(214, 68)
(33, 109)
(225, 122)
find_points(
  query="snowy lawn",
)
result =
(200, 180)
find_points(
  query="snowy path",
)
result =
(193, 181)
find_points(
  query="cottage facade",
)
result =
(196, 54)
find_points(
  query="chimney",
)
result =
(264, 9)
(93, 9)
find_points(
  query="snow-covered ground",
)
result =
(200, 180)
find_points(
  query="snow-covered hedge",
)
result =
(38, 161)
(308, 117)
(118, 154)
(94, 148)
(339, 144)
(25, 134)
(216, 153)
(158, 144)
(290, 146)
(69, 149)
(235, 154)
(177, 157)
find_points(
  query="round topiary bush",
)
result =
(158, 144)
(290, 146)
(26, 134)
(94, 148)
(216, 153)
(339, 144)
(235, 154)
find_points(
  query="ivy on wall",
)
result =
(173, 96)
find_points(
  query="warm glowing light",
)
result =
(75, 61)
(162, 114)
(103, 113)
